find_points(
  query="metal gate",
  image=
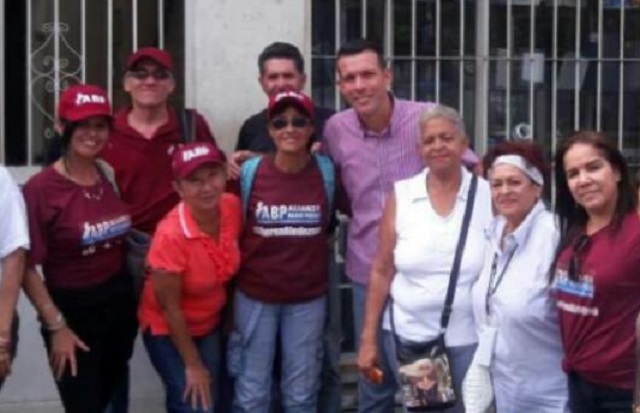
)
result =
(50, 44)
(553, 66)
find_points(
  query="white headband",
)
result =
(519, 162)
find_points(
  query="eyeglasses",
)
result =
(580, 244)
(156, 74)
(297, 122)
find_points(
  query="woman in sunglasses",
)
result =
(283, 279)
(75, 274)
(513, 308)
(597, 272)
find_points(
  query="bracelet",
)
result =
(59, 324)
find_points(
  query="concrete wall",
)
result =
(224, 39)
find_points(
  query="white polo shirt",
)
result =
(423, 257)
(13, 217)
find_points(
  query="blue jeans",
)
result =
(459, 357)
(170, 367)
(330, 396)
(251, 351)
(372, 398)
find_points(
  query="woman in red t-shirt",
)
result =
(597, 273)
(75, 277)
(194, 252)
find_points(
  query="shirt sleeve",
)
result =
(13, 225)
(39, 221)
(167, 251)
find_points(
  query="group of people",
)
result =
(237, 270)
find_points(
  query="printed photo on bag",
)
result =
(426, 382)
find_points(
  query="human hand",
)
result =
(64, 343)
(368, 361)
(5, 362)
(236, 160)
(198, 387)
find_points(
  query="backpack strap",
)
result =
(247, 176)
(328, 178)
(188, 125)
(109, 173)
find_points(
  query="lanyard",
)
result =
(493, 282)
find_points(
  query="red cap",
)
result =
(189, 157)
(290, 98)
(79, 102)
(161, 57)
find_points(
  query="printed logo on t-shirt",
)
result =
(288, 220)
(570, 291)
(94, 232)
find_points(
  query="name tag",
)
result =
(486, 344)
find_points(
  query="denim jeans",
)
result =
(586, 397)
(167, 361)
(372, 398)
(459, 357)
(251, 351)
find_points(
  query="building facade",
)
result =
(531, 68)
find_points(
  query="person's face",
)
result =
(149, 84)
(279, 75)
(291, 131)
(441, 145)
(514, 194)
(202, 189)
(90, 136)
(364, 83)
(592, 180)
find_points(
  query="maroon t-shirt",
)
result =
(143, 166)
(284, 244)
(598, 311)
(77, 233)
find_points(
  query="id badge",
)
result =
(486, 344)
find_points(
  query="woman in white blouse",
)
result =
(419, 232)
(511, 301)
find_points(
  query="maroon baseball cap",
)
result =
(161, 57)
(279, 100)
(189, 157)
(79, 102)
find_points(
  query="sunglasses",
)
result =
(580, 244)
(156, 74)
(297, 122)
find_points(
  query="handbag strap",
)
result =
(455, 269)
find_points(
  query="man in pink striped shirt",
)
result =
(373, 144)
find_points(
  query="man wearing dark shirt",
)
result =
(281, 68)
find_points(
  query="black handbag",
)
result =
(424, 368)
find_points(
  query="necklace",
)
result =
(91, 192)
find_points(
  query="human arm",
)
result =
(64, 341)
(382, 273)
(12, 272)
(242, 151)
(168, 291)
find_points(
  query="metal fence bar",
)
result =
(161, 24)
(621, 83)
(599, 71)
(414, 26)
(462, 62)
(388, 32)
(83, 39)
(509, 66)
(483, 14)
(364, 31)
(2, 89)
(338, 34)
(110, 48)
(134, 25)
(438, 46)
(29, 45)
(554, 92)
(532, 49)
(576, 74)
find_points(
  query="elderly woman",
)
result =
(14, 241)
(419, 233)
(512, 302)
(75, 275)
(283, 280)
(597, 276)
(193, 254)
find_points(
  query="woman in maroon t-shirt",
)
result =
(75, 276)
(597, 273)
(283, 278)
